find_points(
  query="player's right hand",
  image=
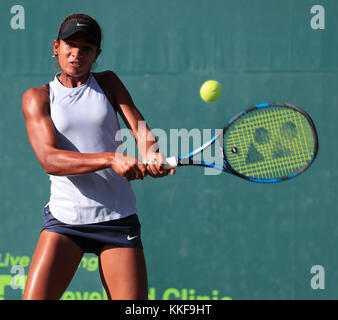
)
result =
(128, 167)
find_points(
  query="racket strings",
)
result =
(284, 163)
(290, 157)
(270, 142)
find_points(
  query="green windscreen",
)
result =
(269, 143)
(206, 235)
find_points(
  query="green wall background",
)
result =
(204, 236)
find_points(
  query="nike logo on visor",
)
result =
(131, 238)
(81, 25)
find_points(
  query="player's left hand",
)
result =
(155, 165)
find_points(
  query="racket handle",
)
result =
(171, 163)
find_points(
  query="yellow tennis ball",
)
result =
(210, 90)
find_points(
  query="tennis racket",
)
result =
(269, 142)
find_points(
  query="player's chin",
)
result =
(77, 71)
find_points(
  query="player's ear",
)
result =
(98, 53)
(56, 45)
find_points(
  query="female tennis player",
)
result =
(72, 127)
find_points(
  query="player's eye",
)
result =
(87, 48)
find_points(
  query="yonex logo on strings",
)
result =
(263, 145)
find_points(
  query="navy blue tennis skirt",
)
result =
(92, 238)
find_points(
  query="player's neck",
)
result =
(71, 81)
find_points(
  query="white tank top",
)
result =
(86, 122)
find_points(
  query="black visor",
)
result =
(73, 26)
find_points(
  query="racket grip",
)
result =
(171, 163)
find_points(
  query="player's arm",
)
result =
(146, 141)
(54, 161)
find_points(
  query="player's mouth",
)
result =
(76, 64)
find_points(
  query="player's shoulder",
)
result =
(106, 76)
(41, 92)
(35, 98)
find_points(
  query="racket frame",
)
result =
(173, 162)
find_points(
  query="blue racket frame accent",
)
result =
(196, 151)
